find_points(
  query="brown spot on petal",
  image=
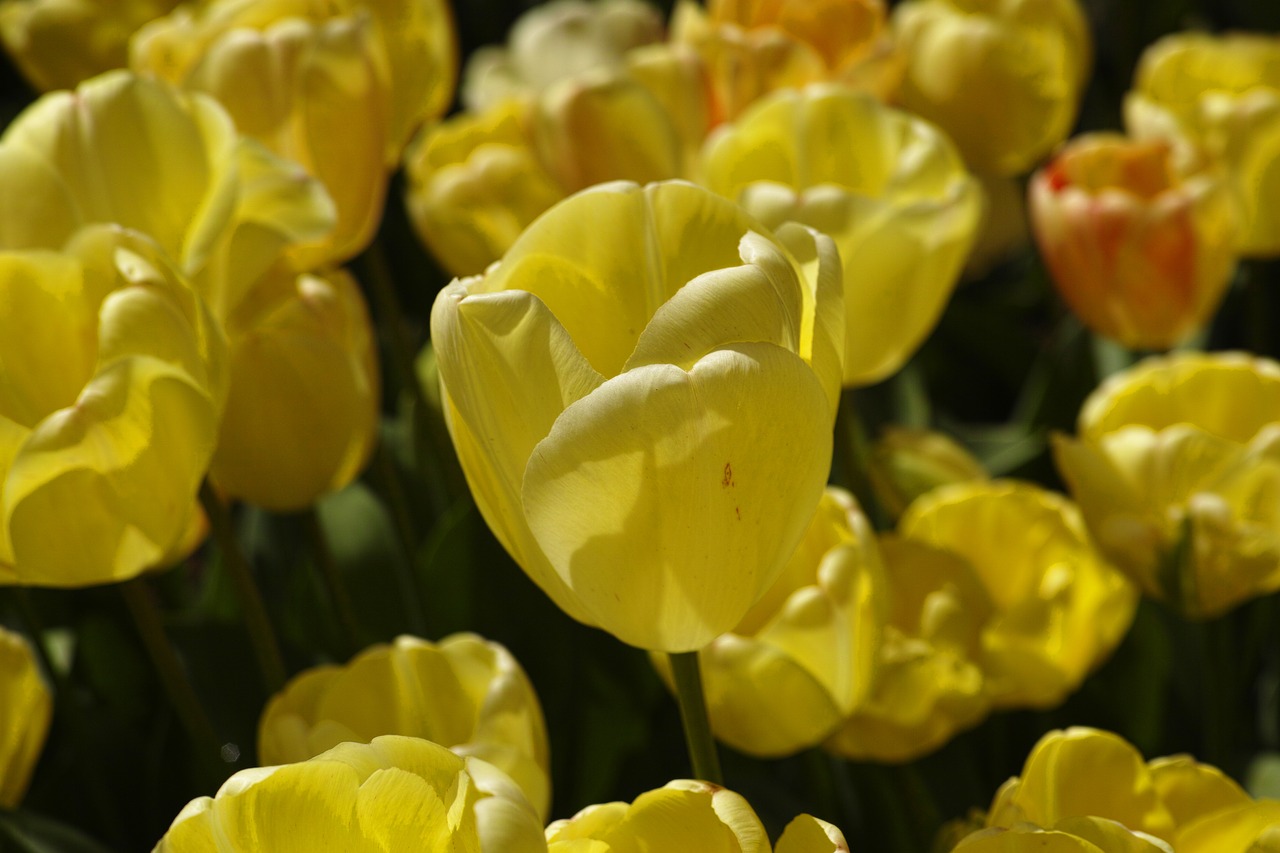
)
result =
(727, 480)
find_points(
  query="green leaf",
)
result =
(25, 832)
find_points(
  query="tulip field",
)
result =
(640, 426)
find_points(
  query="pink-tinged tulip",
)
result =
(1141, 251)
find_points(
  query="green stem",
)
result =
(693, 714)
(333, 581)
(398, 505)
(921, 806)
(1218, 690)
(263, 637)
(403, 353)
(173, 675)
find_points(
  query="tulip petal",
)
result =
(670, 501)
(808, 834)
(760, 301)
(510, 370)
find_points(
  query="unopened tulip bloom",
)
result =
(464, 693)
(887, 187)
(907, 462)
(555, 41)
(1002, 77)
(25, 709)
(1221, 93)
(802, 659)
(394, 794)
(103, 347)
(1141, 252)
(302, 413)
(687, 815)
(1174, 465)
(58, 44)
(1081, 773)
(641, 395)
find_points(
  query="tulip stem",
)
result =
(141, 601)
(382, 284)
(35, 627)
(693, 714)
(263, 637)
(338, 595)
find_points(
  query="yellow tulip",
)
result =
(302, 413)
(997, 600)
(887, 187)
(556, 41)
(464, 693)
(1222, 93)
(58, 44)
(1060, 610)
(26, 709)
(802, 659)
(641, 395)
(1252, 827)
(394, 794)
(1080, 773)
(1141, 252)
(315, 92)
(1002, 77)
(1175, 467)
(102, 348)
(1072, 835)
(928, 683)
(752, 49)
(137, 153)
(474, 184)
(907, 462)
(686, 815)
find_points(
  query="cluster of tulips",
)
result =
(688, 252)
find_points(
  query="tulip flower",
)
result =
(641, 395)
(802, 659)
(1072, 835)
(928, 684)
(907, 462)
(103, 347)
(25, 708)
(396, 793)
(997, 600)
(464, 693)
(1141, 253)
(1173, 466)
(1002, 77)
(58, 44)
(474, 184)
(1084, 776)
(557, 41)
(752, 49)
(302, 413)
(687, 815)
(137, 153)
(314, 92)
(887, 187)
(1222, 94)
